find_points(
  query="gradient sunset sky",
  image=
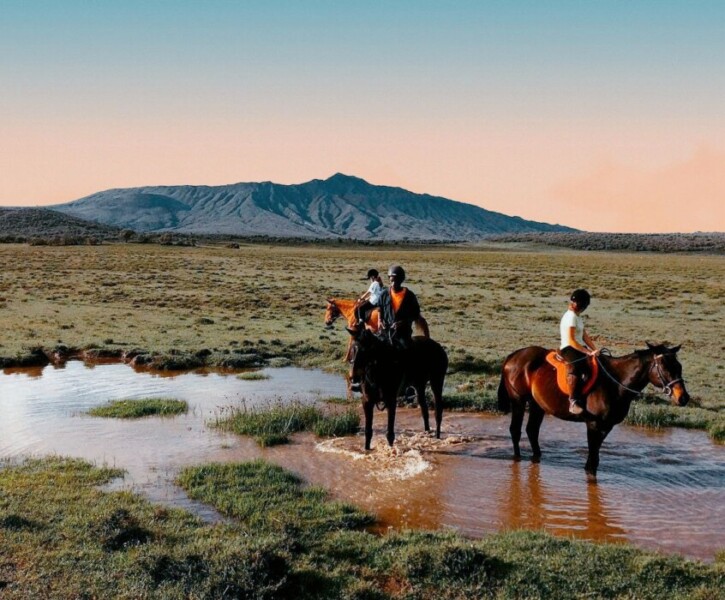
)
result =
(605, 116)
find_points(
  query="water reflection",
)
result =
(532, 504)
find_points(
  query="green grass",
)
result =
(274, 423)
(64, 538)
(652, 414)
(253, 376)
(139, 408)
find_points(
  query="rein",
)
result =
(666, 387)
(614, 379)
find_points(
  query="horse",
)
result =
(341, 307)
(382, 368)
(527, 377)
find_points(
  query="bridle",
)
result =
(666, 387)
(335, 314)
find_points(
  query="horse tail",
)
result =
(504, 400)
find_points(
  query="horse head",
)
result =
(666, 372)
(366, 350)
(332, 313)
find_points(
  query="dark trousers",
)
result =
(362, 312)
(577, 370)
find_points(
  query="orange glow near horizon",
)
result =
(590, 178)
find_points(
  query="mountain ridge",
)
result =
(342, 206)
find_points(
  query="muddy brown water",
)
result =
(661, 490)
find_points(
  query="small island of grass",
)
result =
(139, 408)
(272, 424)
(252, 376)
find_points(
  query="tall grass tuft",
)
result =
(274, 423)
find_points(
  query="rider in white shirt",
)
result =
(575, 347)
(370, 299)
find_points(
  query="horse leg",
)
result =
(536, 416)
(348, 354)
(392, 406)
(517, 418)
(423, 403)
(368, 409)
(436, 386)
(595, 437)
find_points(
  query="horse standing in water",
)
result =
(526, 376)
(381, 368)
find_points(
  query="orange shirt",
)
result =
(396, 298)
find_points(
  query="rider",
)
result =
(399, 308)
(575, 346)
(369, 300)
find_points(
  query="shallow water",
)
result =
(659, 490)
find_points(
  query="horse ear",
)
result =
(650, 346)
(676, 349)
(355, 333)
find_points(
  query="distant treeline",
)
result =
(632, 242)
(184, 239)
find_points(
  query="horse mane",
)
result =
(343, 303)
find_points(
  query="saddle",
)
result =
(560, 365)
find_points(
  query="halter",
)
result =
(337, 314)
(666, 387)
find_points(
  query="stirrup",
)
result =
(575, 408)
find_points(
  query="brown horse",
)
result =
(527, 377)
(381, 368)
(340, 307)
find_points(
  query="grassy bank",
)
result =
(63, 538)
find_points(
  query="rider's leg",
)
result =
(576, 362)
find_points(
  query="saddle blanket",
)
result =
(560, 365)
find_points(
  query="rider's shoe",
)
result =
(574, 407)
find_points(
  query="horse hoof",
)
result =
(536, 458)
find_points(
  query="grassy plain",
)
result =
(481, 302)
(64, 538)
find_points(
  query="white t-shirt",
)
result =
(375, 290)
(571, 319)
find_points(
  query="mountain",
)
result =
(341, 206)
(41, 222)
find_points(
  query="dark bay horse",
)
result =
(381, 368)
(527, 377)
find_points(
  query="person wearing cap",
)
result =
(575, 347)
(369, 300)
(399, 308)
